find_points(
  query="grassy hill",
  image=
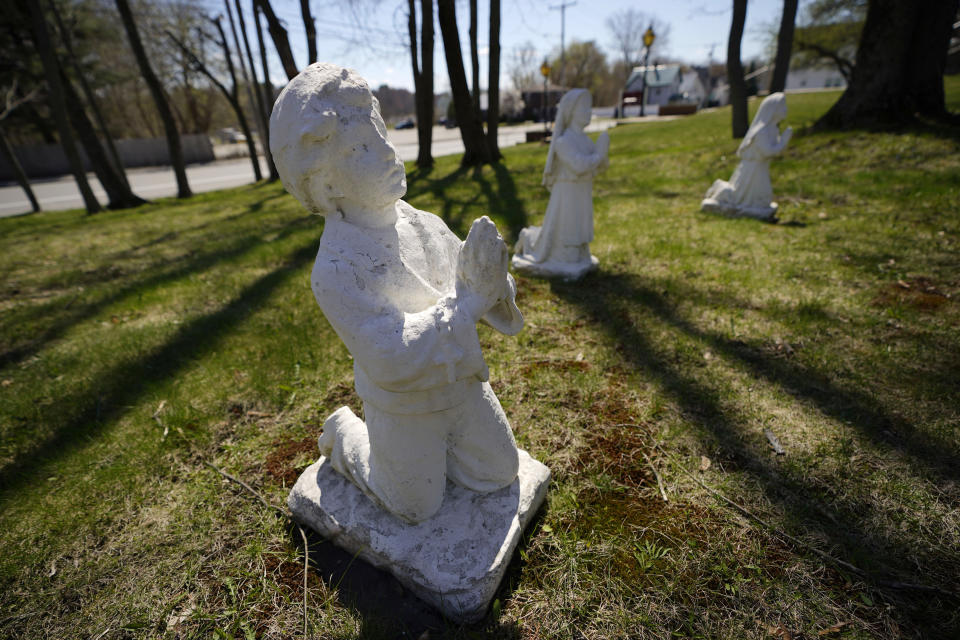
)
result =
(137, 346)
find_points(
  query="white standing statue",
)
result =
(405, 296)
(561, 247)
(749, 192)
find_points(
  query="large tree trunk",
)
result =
(280, 39)
(51, 70)
(493, 82)
(118, 191)
(159, 98)
(475, 147)
(117, 163)
(262, 115)
(781, 64)
(738, 86)
(422, 77)
(18, 171)
(474, 55)
(899, 68)
(267, 90)
(311, 30)
(234, 97)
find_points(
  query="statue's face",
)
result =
(581, 114)
(355, 162)
(369, 168)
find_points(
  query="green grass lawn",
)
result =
(137, 345)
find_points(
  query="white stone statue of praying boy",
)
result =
(405, 295)
(749, 192)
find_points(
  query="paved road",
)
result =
(158, 182)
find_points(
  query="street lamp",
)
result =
(648, 37)
(545, 71)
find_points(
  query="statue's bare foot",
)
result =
(328, 439)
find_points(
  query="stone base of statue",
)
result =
(566, 262)
(767, 214)
(453, 560)
(553, 268)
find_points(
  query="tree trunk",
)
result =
(279, 36)
(267, 91)
(118, 192)
(475, 147)
(422, 77)
(738, 86)
(92, 101)
(311, 30)
(41, 40)
(159, 98)
(258, 121)
(18, 171)
(781, 64)
(899, 68)
(493, 82)
(234, 97)
(262, 116)
(474, 56)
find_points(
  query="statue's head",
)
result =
(773, 109)
(329, 142)
(574, 110)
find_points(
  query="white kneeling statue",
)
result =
(429, 484)
(561, 247)
(749, 192)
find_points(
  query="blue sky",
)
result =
(378, 49)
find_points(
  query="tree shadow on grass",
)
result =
(116, 389)
(67, 314)
(609, 299)
(387, 609)
(503, 200)
(452, 210)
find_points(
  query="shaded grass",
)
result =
(136, 345)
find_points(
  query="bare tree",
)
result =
(474, 56)
(58, 105)
(738, 86)
(231, 94)
(627, 28)
(264, 117)
(118, 190)
(267, 89)
(900, 64)
(74, 60)
(279, 35)
(475, 147)
(10, 104)
(493, 82)
(422, 77)
(524, 69)
(311, 30)
(159, 98)
(781, 64)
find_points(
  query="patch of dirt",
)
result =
(610, 408)
(279, 463)
(342, 394)
(619, 452)
(921, 293)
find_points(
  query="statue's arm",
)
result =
(577, 160)
(400, 350)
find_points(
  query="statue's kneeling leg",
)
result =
(483, 453)
(407, 461)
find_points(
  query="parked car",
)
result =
(405, 124)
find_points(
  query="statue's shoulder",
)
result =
(425, 222)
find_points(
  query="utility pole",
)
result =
(562, 7)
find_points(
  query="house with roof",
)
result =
(665, 83)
